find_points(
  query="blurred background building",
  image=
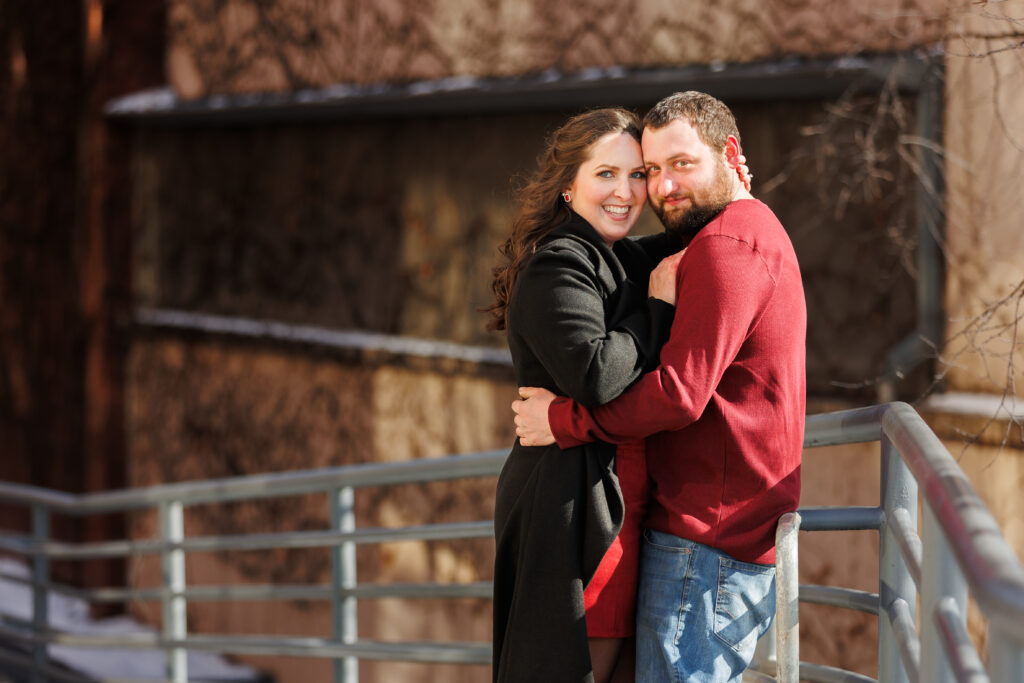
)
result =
(242, 236)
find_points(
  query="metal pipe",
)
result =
(787, 604)
(251, 487)
(943, 582)
(900, 616)
(924, 341)
(1005, 656)
(819, 673)
(846, 598)
(852, 518)
(957, 647)
(285, 539)
(172, 561)
(343, 580)
(895, 585)
(904, 531)
(993, 572)
(860, 425)
(40, 581)
(213, 593)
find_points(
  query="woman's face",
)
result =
(610, 187)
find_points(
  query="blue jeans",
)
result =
(699, 612)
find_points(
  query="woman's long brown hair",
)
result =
(539, 206)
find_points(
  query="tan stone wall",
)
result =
(213, 408)
(248, 46)
(984, 171)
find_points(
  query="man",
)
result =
(723, 414)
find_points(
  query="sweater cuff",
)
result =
(560, 419)
(662, 314)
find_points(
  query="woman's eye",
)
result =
(638, 174)
(604, 174)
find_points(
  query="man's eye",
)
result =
(681, 163)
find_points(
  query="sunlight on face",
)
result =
(688, 182)
(610, 188)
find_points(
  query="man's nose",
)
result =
(666, 185)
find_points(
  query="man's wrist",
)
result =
(560, 420)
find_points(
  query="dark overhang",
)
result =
(786, 79)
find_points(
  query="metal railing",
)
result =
(338, 484)
(959, 552)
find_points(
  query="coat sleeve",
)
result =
(559, 311)
(723, 289)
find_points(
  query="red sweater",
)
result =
(724, 412)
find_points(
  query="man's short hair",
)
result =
(709, 116)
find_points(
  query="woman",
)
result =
(573, 299)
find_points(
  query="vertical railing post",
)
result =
(1005, 656)
(940, 577)
(899, 491)
(787, 599)
(40, 593)
(172, 531)
(343, 579)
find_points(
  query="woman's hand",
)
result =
(662, 284)
(746, 177)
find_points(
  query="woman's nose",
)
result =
(623, 190)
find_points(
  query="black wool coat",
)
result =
(580, 324)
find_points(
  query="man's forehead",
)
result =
(678, 137)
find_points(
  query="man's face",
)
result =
(688, 183)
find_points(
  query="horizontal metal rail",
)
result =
(833, 596)
(258, 592)
(255, 486)
(432, 652)
(285, 539)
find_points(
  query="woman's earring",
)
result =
(567, 197)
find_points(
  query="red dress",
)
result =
(610, 597)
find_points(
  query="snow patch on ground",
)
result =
(71, 615)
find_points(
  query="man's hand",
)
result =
(532, 426)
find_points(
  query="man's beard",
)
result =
(705, 203)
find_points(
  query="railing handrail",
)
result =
(993, 573)
(294, 482)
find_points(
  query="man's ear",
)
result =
(732, 152)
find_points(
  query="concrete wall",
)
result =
(984, 166)
(216, 408)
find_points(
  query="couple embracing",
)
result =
(663, 392)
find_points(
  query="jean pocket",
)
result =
(659, 540)
(744, 603)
